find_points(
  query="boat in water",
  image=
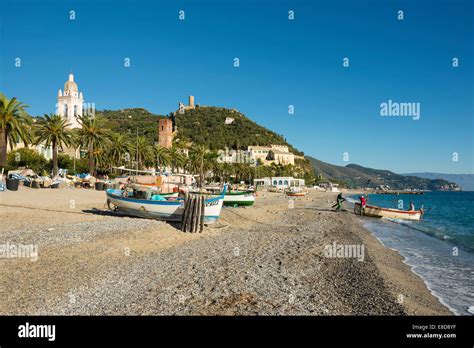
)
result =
(379, 212)
(160, 207)
(239, 198)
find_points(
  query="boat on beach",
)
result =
(296, 192)
(379, 212)
(160, 207)
(239, 198)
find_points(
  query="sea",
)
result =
(439, 248)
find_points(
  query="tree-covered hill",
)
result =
(206, 125)
(127, 121)
(203, 125)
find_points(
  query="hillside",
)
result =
(357, 176)
(466, 181)
(126, 121)
(206, 125)
(203, 125)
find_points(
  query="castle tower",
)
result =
(165, 132)
(70, 103)
(191, 101)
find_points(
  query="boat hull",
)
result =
(161, 210)
(296, 194)
(239, 199)
(379, 212)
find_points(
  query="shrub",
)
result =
(28, 158)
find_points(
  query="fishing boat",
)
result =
(296, 192)
(379, 212)
(160, 207)
(239, 198)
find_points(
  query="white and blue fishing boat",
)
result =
(159, 207)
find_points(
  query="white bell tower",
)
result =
(70, 103)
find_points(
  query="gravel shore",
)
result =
(269, 259)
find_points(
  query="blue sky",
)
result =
(282, 62)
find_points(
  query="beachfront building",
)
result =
(265, 182)
(70, 102)
(329, 186)
(287, 181)
(281, 182)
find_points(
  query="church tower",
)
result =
(70, 103)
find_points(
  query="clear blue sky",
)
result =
(282, 62)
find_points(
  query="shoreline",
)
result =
(403, 278)
(262, 260)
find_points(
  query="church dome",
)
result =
(70, 85)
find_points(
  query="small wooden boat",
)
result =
(296, 193)
(239, 198)
(379, 212)
(160, 207)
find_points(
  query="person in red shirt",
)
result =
(363, 202)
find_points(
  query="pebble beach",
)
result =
(268, 259)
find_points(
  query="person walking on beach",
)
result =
(363, 203)
(339, 200)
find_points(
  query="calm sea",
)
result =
(440, 248)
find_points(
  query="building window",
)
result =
(75, 110)
(274, 182)
(65, 110)
(280, 182)
(286, 182)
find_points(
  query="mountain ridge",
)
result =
(466, 181)
(357, 176)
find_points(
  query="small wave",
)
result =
(352, 200)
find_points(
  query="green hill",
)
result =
(127, 121)
(356, 176)
(203, 125)
(206, 125)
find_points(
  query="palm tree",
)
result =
(93, 136)
(144, 152)
(177, 159)
(119, 149)
(52, 130)
(198, 158)
(161, 155)
(14, 125)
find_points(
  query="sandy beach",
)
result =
(269, 259)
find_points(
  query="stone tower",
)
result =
(165, 132)
(70, 103)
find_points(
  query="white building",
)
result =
(263, 182)
(70, 102)
(278, 154)
(234, 156)
(281, 182)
